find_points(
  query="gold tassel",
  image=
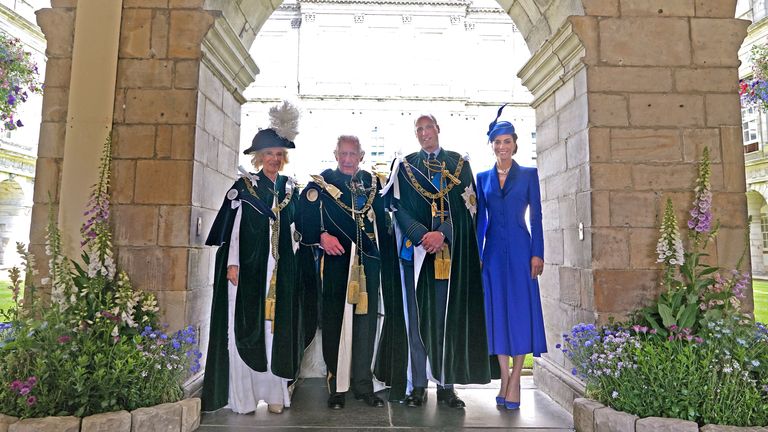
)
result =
(269, 309)
(443, 265)
(269, 305)
(353, 288)
(353, 292)
(362, 304)
(362, 299)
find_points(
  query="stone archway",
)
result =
(626, 96)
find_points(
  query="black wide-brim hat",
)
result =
(267, 138)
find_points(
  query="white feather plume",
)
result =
(284, 119)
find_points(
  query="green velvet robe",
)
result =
(466, 359)
(288, 343)
(392, 360)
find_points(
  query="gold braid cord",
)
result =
(356, 286)
(443, 257)
(270, 302)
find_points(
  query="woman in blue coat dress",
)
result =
(512, 259)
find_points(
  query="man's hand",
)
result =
(233, 274)
(433, 241)
(537, 267)
(330, 244)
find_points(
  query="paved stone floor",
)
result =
(308, 412)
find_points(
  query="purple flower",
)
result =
(63, 339)
(31, 400)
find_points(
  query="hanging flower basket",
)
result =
(18, 80)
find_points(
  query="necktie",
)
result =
(438, 175)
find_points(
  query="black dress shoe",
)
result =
(450, 398)
(417, 397)
(370, 399)
(336, 401)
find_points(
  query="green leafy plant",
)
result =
(97, 346)
(18, 79)
(695, 291)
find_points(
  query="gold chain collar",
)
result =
(281, 206)
(364, 209)
(443, 191)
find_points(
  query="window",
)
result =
(759, 10)
(750, 126)
(764, 231)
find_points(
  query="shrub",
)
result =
(97, 346)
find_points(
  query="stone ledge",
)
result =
(181, 416)
(592, 416)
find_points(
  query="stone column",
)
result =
(181, 71)
(623, 114)
(755, 202)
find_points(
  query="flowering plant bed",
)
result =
(96, 345)
(692, 355)
(753, 91)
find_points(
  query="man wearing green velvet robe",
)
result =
(342, 213)
(433, 194)
(256, 338)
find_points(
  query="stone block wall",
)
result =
(154, 145)
(154, 138)
(653, 107)
(619, 137)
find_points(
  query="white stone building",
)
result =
(18, 148)
(366, 68)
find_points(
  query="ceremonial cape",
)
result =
(319, 210)
(289, 343)
(465, 356)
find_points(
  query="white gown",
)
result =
(246, 386)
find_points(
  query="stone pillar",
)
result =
(58, 25)
(755, 202)
(623, 114)
(181, 71)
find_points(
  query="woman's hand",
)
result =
(233, 274)
(330, 244)
(537, 267)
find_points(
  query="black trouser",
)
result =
(415, 342)
(363, 326)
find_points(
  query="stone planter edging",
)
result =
(181, 416)
(592, 416)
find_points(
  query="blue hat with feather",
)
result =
(497, 127)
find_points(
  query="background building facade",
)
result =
(367, 68)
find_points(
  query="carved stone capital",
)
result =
(228, 59)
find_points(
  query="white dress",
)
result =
(247, 386)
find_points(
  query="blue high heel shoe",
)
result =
(513, 405)
(500, 400)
